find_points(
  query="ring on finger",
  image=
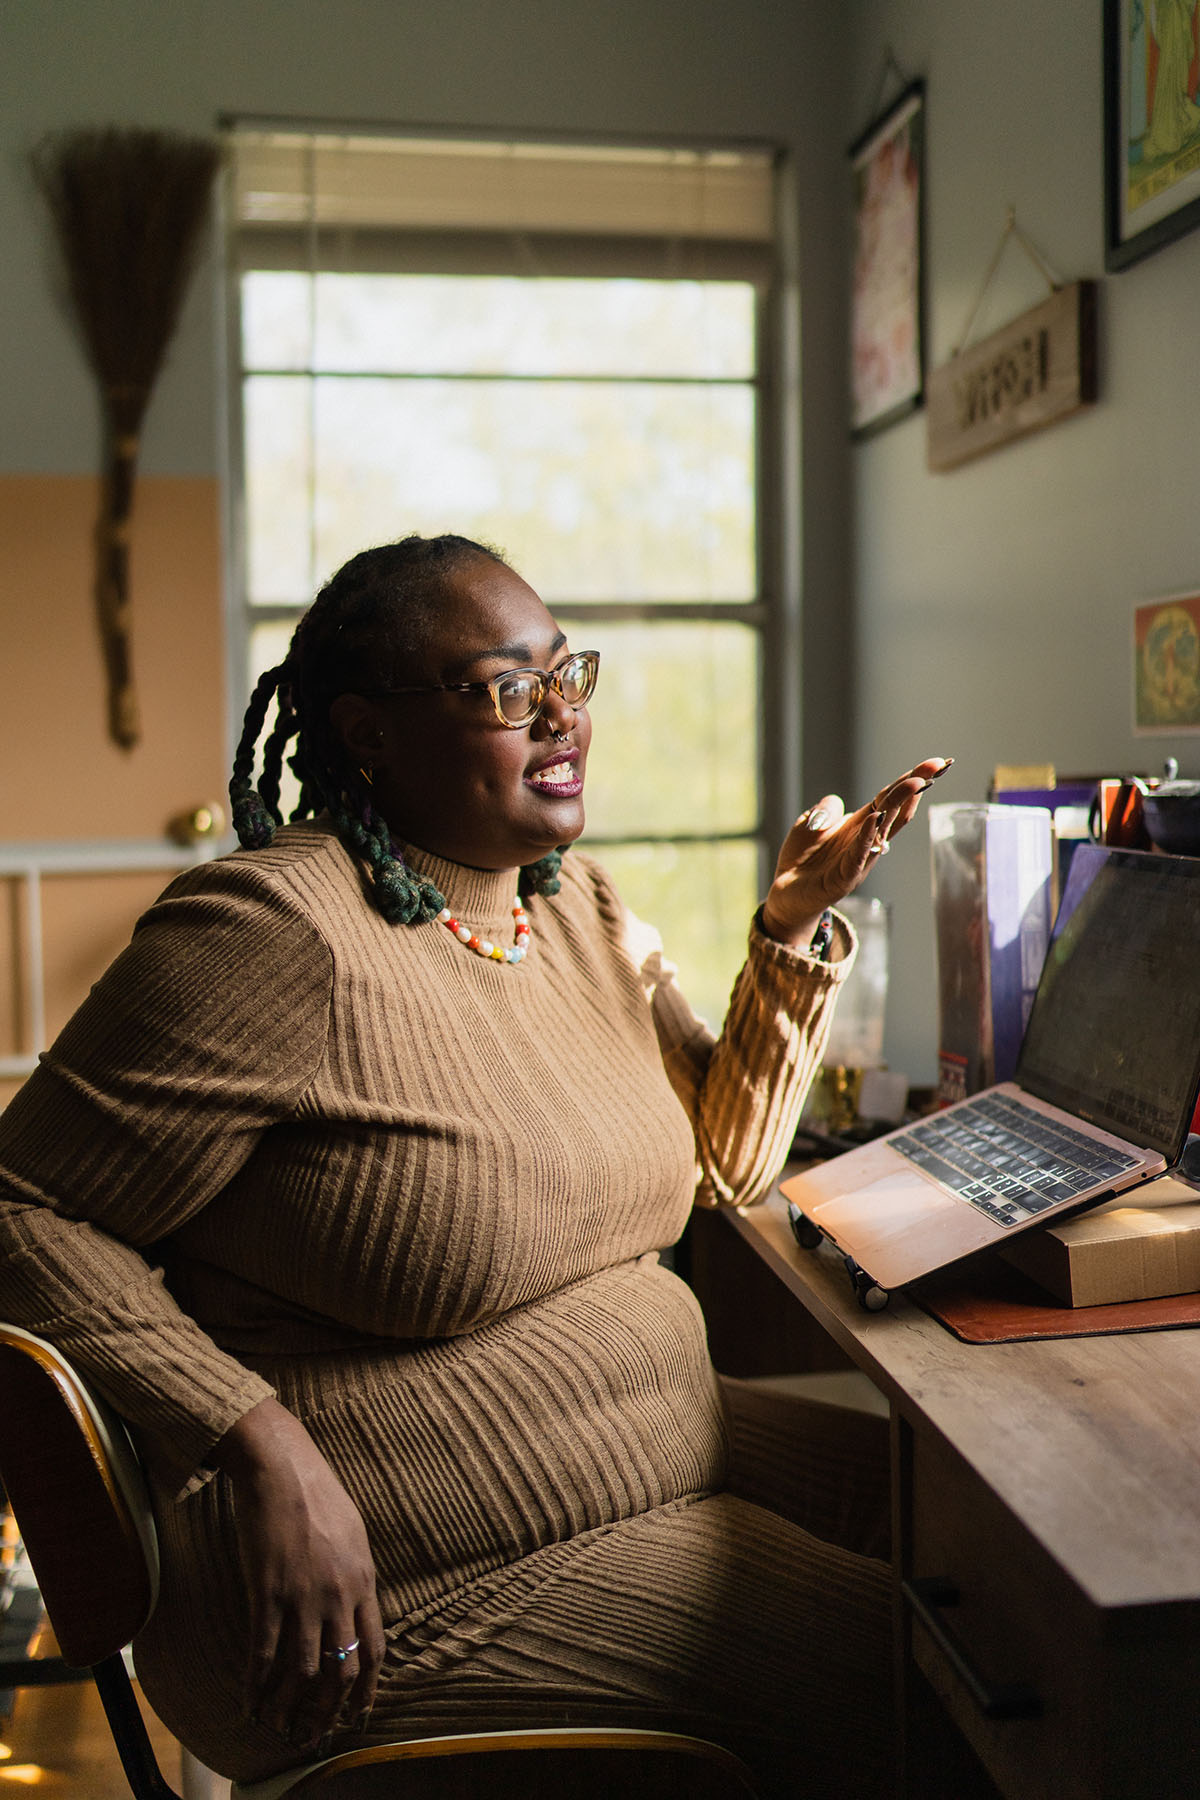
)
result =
(340, 1654)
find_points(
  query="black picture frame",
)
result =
(1143, 211)
(887, 300)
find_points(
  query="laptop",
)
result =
(1101, 1099)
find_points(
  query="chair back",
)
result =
(77, 1492)
(583, 1763)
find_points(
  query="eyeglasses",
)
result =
(519, 694)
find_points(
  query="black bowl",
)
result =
(1172, 819)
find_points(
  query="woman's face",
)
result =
(448, 776)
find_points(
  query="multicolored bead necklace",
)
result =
(481, 946)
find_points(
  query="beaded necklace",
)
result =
(481, 946)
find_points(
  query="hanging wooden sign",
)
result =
(1037, 369)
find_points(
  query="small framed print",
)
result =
(1166, 665)
(886, 312)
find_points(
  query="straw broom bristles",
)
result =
(128, 208)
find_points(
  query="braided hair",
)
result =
(382, 600)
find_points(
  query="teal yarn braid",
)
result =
(253, 821)
(287, 725)
(541, 877)
(401, 896)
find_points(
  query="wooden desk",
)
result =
(1056, 1485)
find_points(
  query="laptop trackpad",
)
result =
(888, 1204)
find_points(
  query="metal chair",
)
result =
(76, 1489)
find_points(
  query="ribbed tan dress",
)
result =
(285, 1146)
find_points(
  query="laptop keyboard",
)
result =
(1008, 1160)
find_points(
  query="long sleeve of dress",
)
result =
(204, 1032)
(743, 1090)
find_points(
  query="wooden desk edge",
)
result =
(1123, 1523)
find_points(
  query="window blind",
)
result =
(367, 200)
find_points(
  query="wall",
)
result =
(993, 603)
(63, 776)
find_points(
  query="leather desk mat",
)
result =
(989, 1302)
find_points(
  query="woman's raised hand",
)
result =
(316, 1636)
(828, 851)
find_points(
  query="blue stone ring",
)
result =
(339, 1656)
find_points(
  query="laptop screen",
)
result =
(1114, 1034)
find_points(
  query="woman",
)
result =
(346, 1185)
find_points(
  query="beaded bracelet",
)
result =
(822, 937)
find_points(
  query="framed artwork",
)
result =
(886, 323)
(1166, 664)
(1151, 126)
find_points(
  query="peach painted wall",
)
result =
(61, 778)
(60, 775)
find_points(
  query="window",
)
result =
(589, 400)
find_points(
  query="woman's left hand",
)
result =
(828, 852)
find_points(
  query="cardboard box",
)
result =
(993, 879)
(1118, 1251)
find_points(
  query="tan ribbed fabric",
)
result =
(288, 1147)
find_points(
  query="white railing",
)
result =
(27, 864)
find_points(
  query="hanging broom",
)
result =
(128, 207)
